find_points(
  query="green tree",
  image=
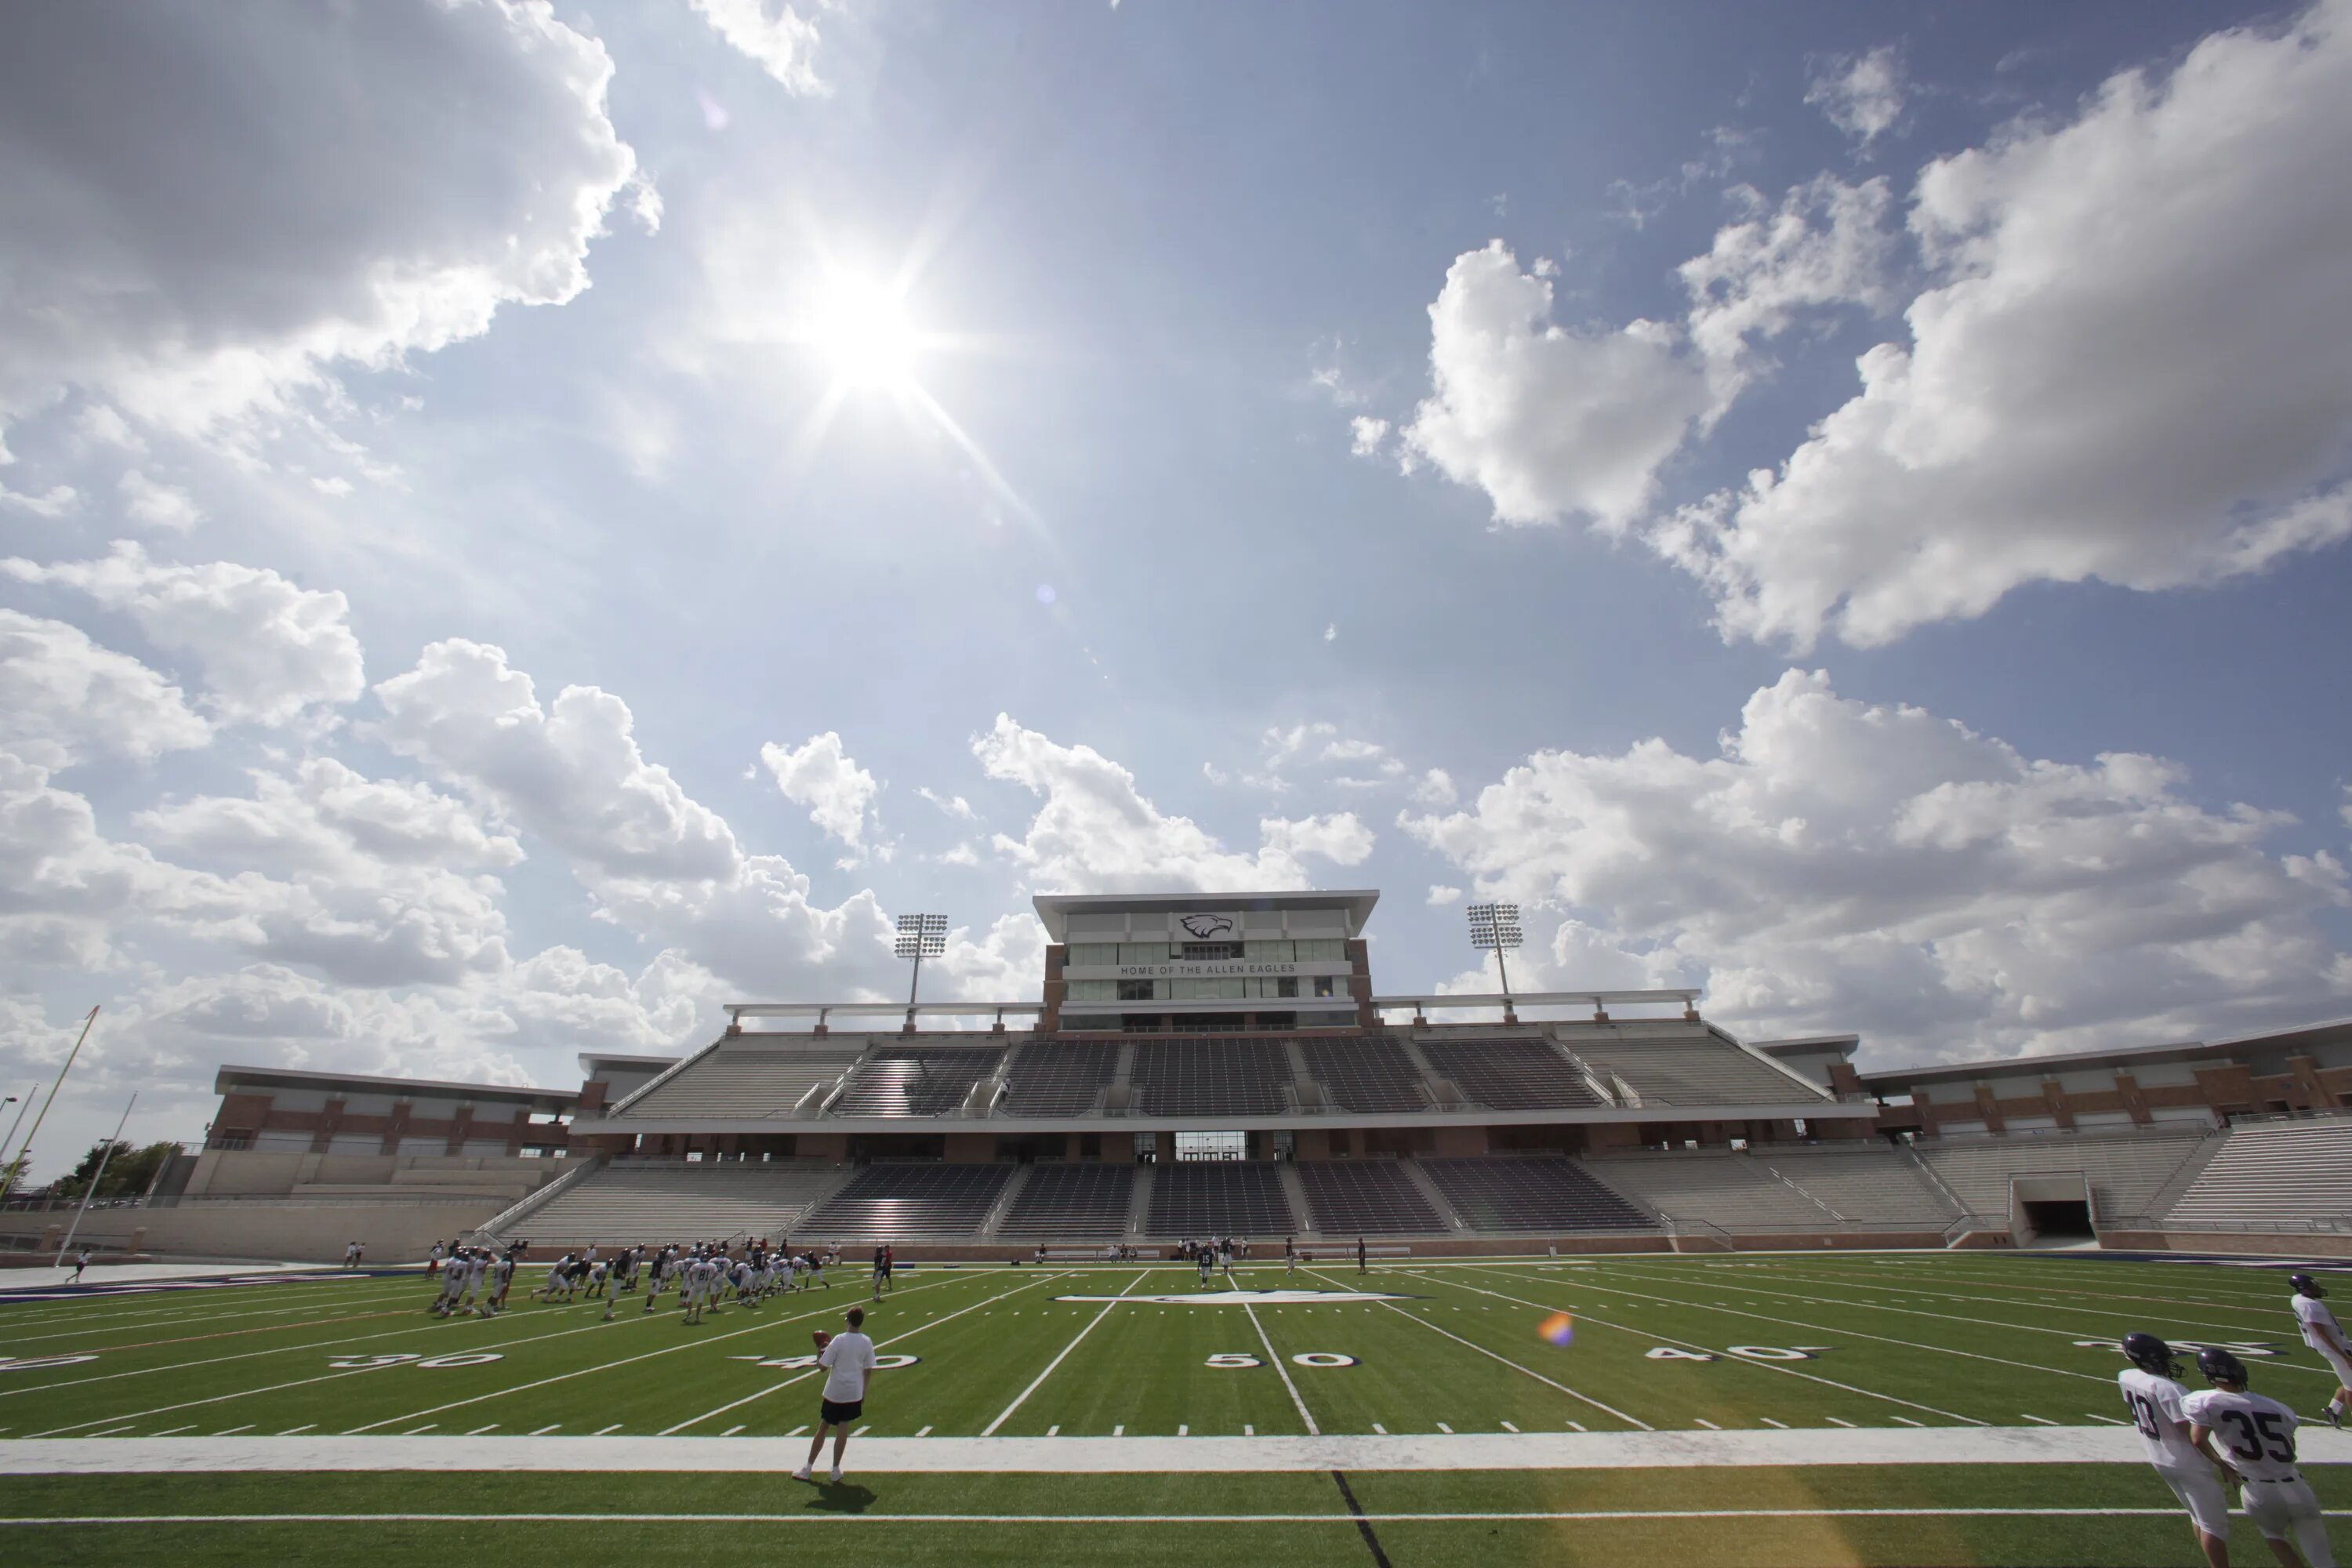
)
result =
(127, 1171)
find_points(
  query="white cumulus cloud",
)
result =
(2119, 373)
(1863, 95)
(267, 648)
(64, 699)
(774, 34)
(822, 775)
(203, 205)
(1837, 865)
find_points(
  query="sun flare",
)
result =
(865, 335)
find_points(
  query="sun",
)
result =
(864, 333)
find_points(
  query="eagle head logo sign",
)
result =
(1206, 926)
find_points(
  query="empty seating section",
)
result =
(1051, 1078)
(1071, 1201)
(1692, 1072)
(739, 1079)
(885, 1201)
(1510, 1074)
(1365, 1198)
(2272, 1171)
(2123, 1169)
(1197, 1198)
(914, 1080)
(1361, 1073)
(1207, 1076)
(1873, 1185)
(1733, 1192)
(630, 1202)
(1538, 1196)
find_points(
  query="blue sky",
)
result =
(485, 578)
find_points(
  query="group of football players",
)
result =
(2227, 1438)
(474, 1280)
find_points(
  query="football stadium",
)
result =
(1208, 1250)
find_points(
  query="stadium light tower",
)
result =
(921, 937)
(1495, 928)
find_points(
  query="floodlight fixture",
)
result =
(1495, 929)
(919, 937)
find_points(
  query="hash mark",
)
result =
(1444, 1428)
(1836, 1422)
(1508, 1428)
(1705, 1423)
(1183, 1431)
(545, 1430)
(924, 1433)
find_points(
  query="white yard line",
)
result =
(303, 1383)
(381, 1301)
(1274, 1360)
(587, 1371)
(1006, 1414)
(1738, 1360)
(1982, 1323)
(1840, 1443)
(808, 1372)
(1494, 1355)
(1856, 1333)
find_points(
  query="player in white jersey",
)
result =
(2256, 1435)
(2152, 1394)
(600, 1275)
(453, 1281)
(494, 1296)
(468, 1267)
(559, 1281)
(2323, 1333)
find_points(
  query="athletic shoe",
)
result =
(2335, 1417)
(801, 1474)
(836, 1475)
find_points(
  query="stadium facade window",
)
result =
(1092, 954)
(1136, 990)
(1211, 951)
(1322, 950)
(1271, 951)
(1098, 990)
(1212, 1146)
(1219, 989)
(1143, 952)
(1324, 985)
(1287, 985)
(1147, 1148)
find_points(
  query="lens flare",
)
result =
(1559, 1329)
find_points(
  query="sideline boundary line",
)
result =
(1006, 1414)
(1800, 1447)
(1600, 1516)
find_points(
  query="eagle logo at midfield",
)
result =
(1206, 926)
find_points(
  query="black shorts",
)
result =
(835, 1415)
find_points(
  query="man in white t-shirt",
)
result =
(849, 1362)
(2152, 1394)
(2257, 1436)
(2323, 1333)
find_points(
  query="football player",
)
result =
(2323, 1333)
(2152, 1394)
(2257, 1434)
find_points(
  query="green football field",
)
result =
(1899, 1408)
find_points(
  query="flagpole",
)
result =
(96, 1176)
(8, 1177)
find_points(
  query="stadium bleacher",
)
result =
(740, 1073)
(886, 1201)
(914, 1080)
(1871, 1183)
(1703, 1071)
(2262, 1172)
(1196, 1198)
(1510, 1074)
(1058, 1077)
(1729, 1191)
(656, 1201)
(2124, 1170)
(1075, 1201)
(1366, 1197)
(1211, 1076)
(1535, 1196)
(1362, 1073)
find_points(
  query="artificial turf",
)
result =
(1802, 1343)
